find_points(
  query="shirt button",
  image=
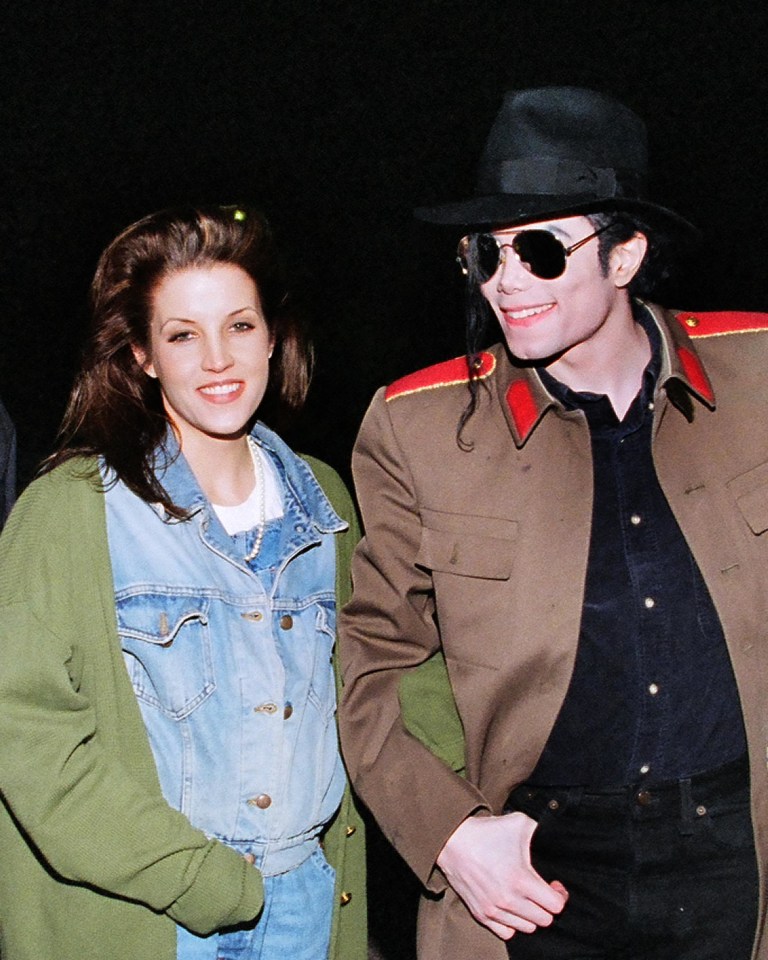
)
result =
(645, 768)
(288, 711)
(262, 801)
(651, 405)
(653, 689)
(254, 615)
(345, 898)
(266, 708)
(649, 602)
(635, 519)
(351, 829)
(643, 797)
(286, 621)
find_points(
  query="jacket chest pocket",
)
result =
(167, 649)
(467, 546)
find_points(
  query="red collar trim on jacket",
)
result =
(694, 371)
(522, 407)
(449, 373)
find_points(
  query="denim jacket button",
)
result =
(262, 801)
(266, 708)
(255, 615)
(286, 621)
(288, 711)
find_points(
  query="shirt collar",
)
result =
(675, 367)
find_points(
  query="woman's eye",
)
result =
(180, 336)
(242, 326)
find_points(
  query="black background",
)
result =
(339, 118)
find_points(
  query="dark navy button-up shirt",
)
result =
(653, 696)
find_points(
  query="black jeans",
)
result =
(654, 873)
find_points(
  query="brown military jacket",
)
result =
(482, 553)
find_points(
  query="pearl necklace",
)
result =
(258, 471)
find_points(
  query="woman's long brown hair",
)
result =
(115, 409)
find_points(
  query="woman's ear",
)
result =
(146, 365)
(626, 259)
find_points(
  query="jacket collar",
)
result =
(525, 400)
(175, 474)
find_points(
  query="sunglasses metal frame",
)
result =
(461, 252)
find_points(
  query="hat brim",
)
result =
(511, 209)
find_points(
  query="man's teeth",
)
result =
(530, 312)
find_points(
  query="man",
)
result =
(577, 520)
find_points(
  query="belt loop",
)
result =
(686, 808)
(573, 797)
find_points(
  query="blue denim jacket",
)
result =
(231, 661)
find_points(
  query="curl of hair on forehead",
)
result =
(115, 409)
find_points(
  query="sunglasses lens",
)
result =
(540, 253)
(487, 255)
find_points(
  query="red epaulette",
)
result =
(718, 323)
(446, 374)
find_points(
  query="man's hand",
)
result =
(487, 861)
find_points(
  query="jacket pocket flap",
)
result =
(465, 555)
(156, 617)
(751, 493)
(754, 509)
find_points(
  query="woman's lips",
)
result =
(224, 392)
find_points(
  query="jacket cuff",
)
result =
(226, 890)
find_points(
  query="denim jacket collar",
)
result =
(179, 481)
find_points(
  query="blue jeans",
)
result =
(295, 922)
(662, 872)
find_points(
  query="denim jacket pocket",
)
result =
(167, 649)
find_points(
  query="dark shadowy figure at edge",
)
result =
(7, 465)
(574, 519)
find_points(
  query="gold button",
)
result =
(288, 711)
(286, 621)
(350, 830)
(255, 615)
(692, 321)
(262, 801)
(266, 708)
(345, 898)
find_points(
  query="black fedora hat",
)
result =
(559, 151)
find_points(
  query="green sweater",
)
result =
(94, 865)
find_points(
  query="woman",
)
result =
(200, 789)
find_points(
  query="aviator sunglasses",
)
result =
(539, 251)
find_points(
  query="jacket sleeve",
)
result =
(388, 630)
(76, 771)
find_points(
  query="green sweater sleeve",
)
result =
(76, 770)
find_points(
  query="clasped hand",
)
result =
(487, 861)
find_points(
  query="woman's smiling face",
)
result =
(209, 348)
